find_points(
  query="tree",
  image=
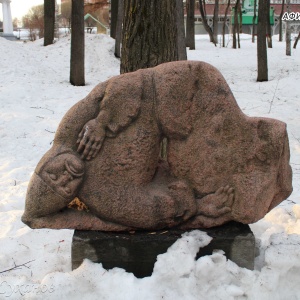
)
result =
(280, 21)
(236, 25)
(269, 30)
(288, 32)
(240, 24)
(262, 59)
(34, 20)
(216, 21)
(119, 28)
(15, 23)
(113, 17)
(296, 40)
(66, 9)
(180, 37)
(153, 33)
(224, 22)
(204, 21)
(253, 21)
(77, 44)
(190, 24)
(49, 21)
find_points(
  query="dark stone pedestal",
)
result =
(137, 252)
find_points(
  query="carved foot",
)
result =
(217, 204)
(213, 210)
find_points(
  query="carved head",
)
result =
(64, 174)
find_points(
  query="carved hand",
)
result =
(90, 139)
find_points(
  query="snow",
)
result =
(34, 96)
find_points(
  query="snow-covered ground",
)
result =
(34, 96)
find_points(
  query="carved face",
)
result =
(64, 174)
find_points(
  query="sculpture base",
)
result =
(137, 252)
(8, 36)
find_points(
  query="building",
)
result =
(247, 9)
(96, 14)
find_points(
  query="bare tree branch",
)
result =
(17, 267)
(39, 107)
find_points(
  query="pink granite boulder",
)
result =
(221, 165)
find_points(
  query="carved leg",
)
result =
(164, 202)
(154, 206)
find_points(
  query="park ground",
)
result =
(34, 96)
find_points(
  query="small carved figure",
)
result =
(221, 165)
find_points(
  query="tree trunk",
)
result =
(234, 35)
(262, 59)
(49, 21)
(239, 25)
(216, 21)
(56, 24)
(150, 34)
(288, 32)
(280, 21)
(224, 23)
(236, 24)
(253, 22)
(269, 30)
(119, 28)
(190, 24)
(296, 41)
(113, 17)
(77, 43)
(180, 30)
(204, 22)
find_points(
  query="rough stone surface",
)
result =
(137, 253)
(221, 164)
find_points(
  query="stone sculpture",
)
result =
(221, 164)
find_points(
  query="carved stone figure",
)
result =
(221, 164)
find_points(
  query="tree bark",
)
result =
(77, 44)
(234, 35)
(119, 28)
(236, 26)
(269, 30)
(296, 41)
(280, 21)
(204, 22)
(253, 22)
(49, 21)
(180, 30)
(262, 59)
(150, 34)
(288, 49)
(190, 24)
(113, 17)
(224, 23)
(239, 25)
(216, 21)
